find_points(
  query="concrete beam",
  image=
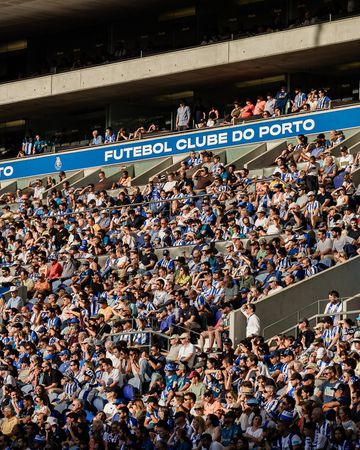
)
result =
(237, 53)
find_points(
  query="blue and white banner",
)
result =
(207, 139)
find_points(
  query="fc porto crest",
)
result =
(58, 163)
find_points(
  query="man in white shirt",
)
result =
(262, 220)
(110, 376)
(186, 351)
(39, 189)
(334, 306)
(253, 327)
(171, 183)
(346, 159)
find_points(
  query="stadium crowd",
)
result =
(83, 359)
(198, 116)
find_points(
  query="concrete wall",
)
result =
(356, 176)
(178, 62)
(157, 166)
(267, 158)
(350, 141)
(246, 154)
(283, 307)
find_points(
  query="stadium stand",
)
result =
(188, 284)
(135, 278)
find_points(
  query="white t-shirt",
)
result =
(169, 185)
(110, 409)
(345, 161)
(255, 434)
(109, 378)
(185, 351)
(39, 191)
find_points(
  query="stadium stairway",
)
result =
(274, 309)
(350, 310)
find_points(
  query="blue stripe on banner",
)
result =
(209, 139)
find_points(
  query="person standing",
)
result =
(253, 327)
(183, 116)
(282, 98)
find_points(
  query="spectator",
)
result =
(282, 98)
(109, 136)
(236, 112)
(97, 139)
(183, 116)
(324, 101)
(38, 146)
(253, 321)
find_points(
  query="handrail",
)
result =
(150, 332)
(318, 315)
(152, 202)
(298, 312)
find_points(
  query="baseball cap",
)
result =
(312, 366)
(74, 321)
(252, 402)
(339, 387)
(286, 416)
(308, 376)
(89, 373)
(52, 420)
(356, 337)
(193, 374)
(184, 335)
(170, 366)
(199, 365)
(39, 439)
(320, 353)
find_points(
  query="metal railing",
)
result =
(299, 315)
(53, 148)
(152, 202)
(130, 336)
(153, 337)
